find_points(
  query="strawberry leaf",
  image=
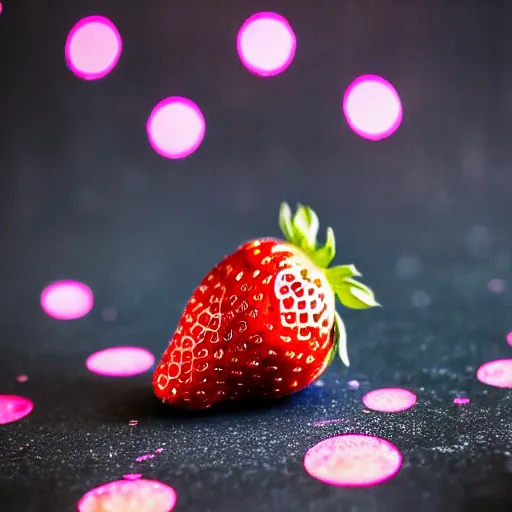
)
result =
(337, 275)
(341, 339)
(325, 254)
(285, 222)
(354, 294)
(305, 226)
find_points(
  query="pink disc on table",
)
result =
(353, 460)
(120, 361)
(129, 496)
(176, 127)
(372, 107)
(496, 373)
(460, 401)
(14, 408)
(389, 399)
(266, 44)
(93, 48)
(67, 300)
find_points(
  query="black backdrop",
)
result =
(84, 197)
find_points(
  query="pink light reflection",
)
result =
(509, 338)
(129, 496)
(389, 400)
(266, 44)
(67, 300)
(120, 361)
(353, 460)
(14, 408)
(496, 373)
(93, 48)
(176, 127)
(372, 107)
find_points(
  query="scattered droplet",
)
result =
(129, 496)
(389, 399)
(266, 44)
(120, 361)
(319, 383)
(93, 48)
(372, 107)
(14, 408)
(22, 378)
(67, 300)
(353, 460)
(326, 422)
(496, 373)
(176, 127)
(461, 401)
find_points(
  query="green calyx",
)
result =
(301, 230)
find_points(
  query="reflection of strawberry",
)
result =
(263, 322)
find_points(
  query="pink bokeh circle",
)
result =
(353, 460)
(496, 373)
(129, 496)
(93, 48)
(389, 399)
(176, 127)
(372, 107)
(120, 361)
(14, 408)
(266, 44)
(509, 338)
(67, 300)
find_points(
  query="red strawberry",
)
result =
(263, 322)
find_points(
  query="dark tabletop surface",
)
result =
(84, 197)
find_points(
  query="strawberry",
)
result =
(263, 322)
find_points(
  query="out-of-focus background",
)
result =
(413, 171)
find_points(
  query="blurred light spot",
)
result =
(109, 314)
(479, 241)
(408, 268)
(319, 383)
(93, 48)
(353, 460)
(420, 299)
(1, 7)
(353, 384)
(14, 408)
(496, 285)
(67, 300)
(372, 107)
(22, 378)
(460, 401)
(496, 373)
(389, 400)
(266, 44)
(129, 496)
(509, 338)
(503, 261)
(176, 127)
(120, 361)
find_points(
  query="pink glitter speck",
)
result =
(132, 423)
(120, 361)
(326, 422)
(142, 458)
(22, 378)
(389, 400)
(159, 450)
(460, 401)
(14, 408)
(129, 496)
(353, 384)
(353, 460)
(67, 300)
(133, 476)
(496, 373)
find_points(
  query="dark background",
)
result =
(83, 196)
